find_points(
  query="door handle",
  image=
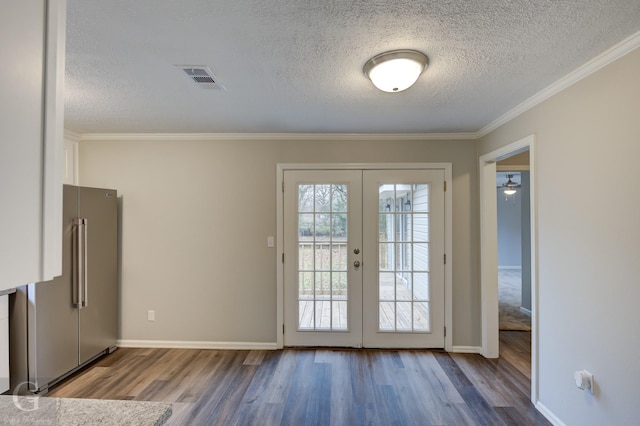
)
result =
(356, 264)
(82, 287)
(77, 263)
(85, 293)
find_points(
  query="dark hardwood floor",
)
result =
(320, 386)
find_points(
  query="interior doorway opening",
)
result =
(514, 243)
(489, 249)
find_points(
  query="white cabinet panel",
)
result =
(31, 140)
(4, 343)
(21, 123)
(70, 175)
(53, 147)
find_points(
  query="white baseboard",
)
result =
(179, 344)
(509, 268)
(555, 421)
(467, 349)
(525, 311)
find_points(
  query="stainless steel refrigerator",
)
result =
(58, 326)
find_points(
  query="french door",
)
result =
(364, 258)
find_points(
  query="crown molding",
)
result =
(274, 136)
(68, 134)
(616, 52)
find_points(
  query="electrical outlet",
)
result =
(584, 380)
(151, 315)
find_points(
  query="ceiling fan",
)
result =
(509, 186)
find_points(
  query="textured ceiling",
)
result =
(296, 66)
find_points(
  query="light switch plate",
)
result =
(270, 242)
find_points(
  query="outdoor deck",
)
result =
(393, 315)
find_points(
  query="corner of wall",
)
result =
(71, 158)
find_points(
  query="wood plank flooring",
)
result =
(319, 386)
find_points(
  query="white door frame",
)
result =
(448, 215)
(489, 253)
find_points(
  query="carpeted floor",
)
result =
(509, 299)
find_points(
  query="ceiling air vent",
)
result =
(202, 76)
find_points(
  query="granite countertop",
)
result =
(7, 291)
(29, 410)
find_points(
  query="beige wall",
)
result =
(521, 159)
(589, 234)
(196, 215)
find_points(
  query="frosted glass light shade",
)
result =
(395, 71)
(509, 187)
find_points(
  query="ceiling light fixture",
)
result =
(509, 187)
(396, 70)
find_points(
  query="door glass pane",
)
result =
(385, 227)
(386, 257)
(403, 286)
(339, 226)
(420, 228)
(387, 284)
(305, 259)
(403, 258)
(420, 198)
(322, 227)
(421, 286)
(339, 312)
(323, 310)
(323, 285)
(421, 256)
(403, 316)
(387, 316)
(305, 315)
(322, 257)
(338, 257)
(339, 286)
(421, 317)
(323, 198)
(339, 198)
(305, 226)
(305, 286)
(403, 227)
(305, 198)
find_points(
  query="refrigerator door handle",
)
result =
(85, 249)
(78, 270)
